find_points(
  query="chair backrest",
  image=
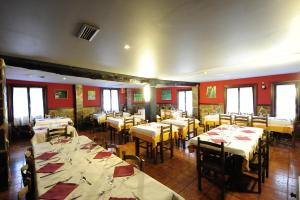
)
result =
(184, 114)
(207, 151)
(60, 131)
(191, 125)
(109, 114)
(138, 162)
(115, 149)
(259, 121)
(165, 130)
(158, 118)
(118, 114)
(225, 119)
(241, 120)
(128, 122)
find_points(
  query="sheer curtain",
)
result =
(20, 106)
(36, 103)
(286, 101)
(181, 100)
(246, 100)
(189, 102)
(232, 100)
(114, 100)
(106, 100)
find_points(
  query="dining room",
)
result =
(143, 100)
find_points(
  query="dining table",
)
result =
(78, 168)
(53, 121)
(100, 117)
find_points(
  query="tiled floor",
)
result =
(179, 173)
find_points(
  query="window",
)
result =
(110, 100)
(240, 100)
(28, 104)
(285, 95)
(185, 101)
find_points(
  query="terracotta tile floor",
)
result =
(179, 173)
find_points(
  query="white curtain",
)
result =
(181, 100)
(110, 100)
(246, 100)
(286, 101)
(36, 103)
(114, 100)
(232, 101)
(20, 106)
(185, 101)
(106, 100)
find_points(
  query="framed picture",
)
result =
(211, 92)
(166, 95)
(61, 94)
(91, 95)
(138, 96)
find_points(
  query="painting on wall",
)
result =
(61, 94)
(91, 95)
(138, 96)
(166, 95)
(211, 92)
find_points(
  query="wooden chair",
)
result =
(211, 164)
(241, 120)
(184, 114)
(256, 165)
(165, 143)
(260, 122)
(93, 123)
(168, 114)
(128, 123)
(56, 132)
(225, 119)
(138, 162)
(158, 118)
(114, 148)
(118, 114)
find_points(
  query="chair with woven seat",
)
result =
(165, 143)
(211, 164)
(56, 132)
(225, 119)
(136, 161)
(260, 122)
(184, 114)
(241, 120)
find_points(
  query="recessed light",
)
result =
(126, 46)
(204, 72)
(64, 78)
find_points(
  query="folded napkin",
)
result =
(212, 133)
(118, 198)
(123, 171)
(88, 146)
(102, 155)
(242, 137)
(218, 141)
(59, 192)
(50, 168)
(248, 131)
(46, 155)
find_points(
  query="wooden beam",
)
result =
(86, 73)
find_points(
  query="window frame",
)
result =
(254, 89)
(10, 96)
(273, 96)
(102, 99)
(177, 97)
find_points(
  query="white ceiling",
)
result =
(185, 40)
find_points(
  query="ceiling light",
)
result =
(126, 47)
(204, 72)
(64, 78)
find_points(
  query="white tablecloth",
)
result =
(229, 133)
(180, 122)
(98, 173)
(100, 117)
(53, 121)
(118, 122)
(40, 133)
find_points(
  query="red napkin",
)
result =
(248, 131)
(46, 155)
(50, 168)
(242, 137)
(212, 133)
(117, 198)
(218, 141)
(59, 192)
(88, 146)
(102, 155)
(123, 171)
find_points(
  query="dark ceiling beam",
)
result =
(86, 73)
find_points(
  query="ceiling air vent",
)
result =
(87, 32)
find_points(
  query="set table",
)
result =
(92, 178)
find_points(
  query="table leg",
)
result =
(137, 146)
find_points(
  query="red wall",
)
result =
(51, 87)
(263, 95)
(173, 92)
(87, 102)
(122, 96)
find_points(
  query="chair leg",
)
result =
(162, 152)
(151, 151)
(147, 150)
(155, 155)
(172, 148)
